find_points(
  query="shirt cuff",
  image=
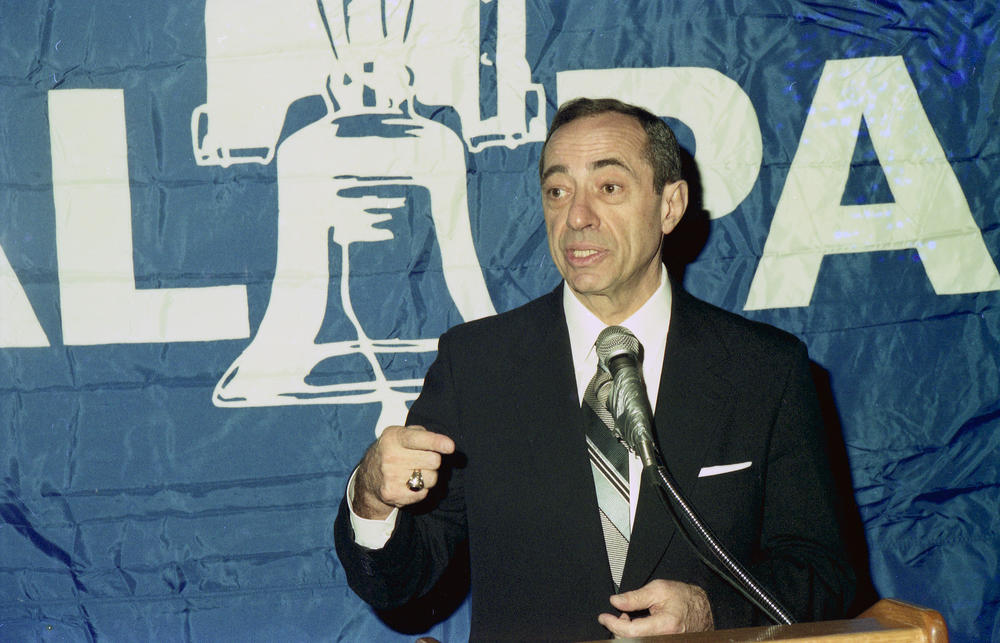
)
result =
(372, 534)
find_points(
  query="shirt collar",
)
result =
(649, 324)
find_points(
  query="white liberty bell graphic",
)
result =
(372, 209)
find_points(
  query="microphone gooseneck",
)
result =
(626, 400)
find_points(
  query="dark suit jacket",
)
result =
(522, 493)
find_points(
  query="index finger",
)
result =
(637, 599)
(420, 439)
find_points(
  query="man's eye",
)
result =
(555, 193)
(611, 188)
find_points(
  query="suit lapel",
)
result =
(691, 407)
(555, 411)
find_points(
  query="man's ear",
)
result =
(673, 203)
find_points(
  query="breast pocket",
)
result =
(728, 498)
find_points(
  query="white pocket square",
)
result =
(723, 468)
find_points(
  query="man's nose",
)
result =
(581, 214)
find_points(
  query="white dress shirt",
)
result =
(649, 324)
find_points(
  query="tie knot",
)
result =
(597, 391)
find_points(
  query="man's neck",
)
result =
(614, 311)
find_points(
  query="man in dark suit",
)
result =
(494, 454)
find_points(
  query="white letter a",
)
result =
(930, 212)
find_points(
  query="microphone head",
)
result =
(613, 342)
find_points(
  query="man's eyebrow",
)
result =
(553, 169)
(596, 165)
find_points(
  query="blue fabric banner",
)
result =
(231, 232)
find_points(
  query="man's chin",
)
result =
(585, 287)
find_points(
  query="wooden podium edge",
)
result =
(893, 612)
(887, 621)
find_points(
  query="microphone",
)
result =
(618, 354)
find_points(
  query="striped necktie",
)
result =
(609, 462)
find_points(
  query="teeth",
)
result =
(584, 253)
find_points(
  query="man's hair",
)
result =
(661, 150)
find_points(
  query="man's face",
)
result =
(604, 217)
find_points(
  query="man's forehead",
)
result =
(609, 129)
(611, 161)
(603, 140)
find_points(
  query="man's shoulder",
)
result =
(733, 328)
